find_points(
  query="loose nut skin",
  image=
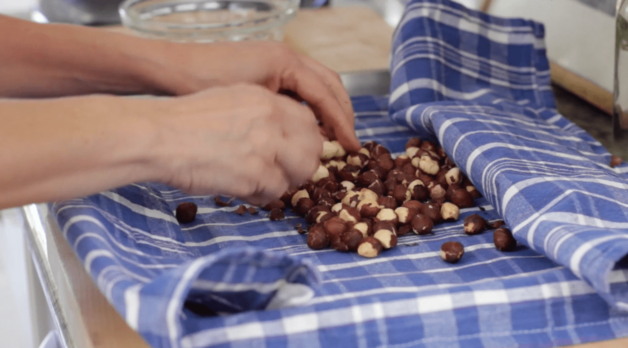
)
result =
(432, 211)
(405, 215)
(186, 212)
(252, 210)
(276, 214)
(387, 202)
(474, 224)
(278, 204)
(387, 215)
(615, 161)
(221, 203)
(496, 224)
(352, 239)
(387, 238)
(242, 209)
(462, 198)
(334, 227)
(422, 224)
(317, 239)
(449, 212)
(416, 205)
(369, 247)
(503, 239)
(451, 252)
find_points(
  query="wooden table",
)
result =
(344, 39)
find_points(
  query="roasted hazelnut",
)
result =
(339, 195)
(321, 172)
(252, 210)
(338, 244)
(449, 212)
(366, 178)
(276, 214)
(503, 239)
(370, 145)
(396, 174)
(454, 176)
(298, 195)
(335, 165)
(320, 193)
(437, 192)
(368, 208)
(403, 230)
(387, 215)
(473, 191)
(323, 216)
(378, 187)
(402, 160)
(316, 238)
(328, 201)
(380, 172)
(441, 178)
(422, 224)
(496, 224)
(420, 193)
(334, 226)
(405, 215)
(363, 227)
(330, 150)
(349, 214)
(347, 185)
(462, 198)
(416, 205)
(426, 179)
(358, 159)
(427, 146)
(286, 198)
(427, 165)
(379, 150)
(451, 252)
(352, 239)
(278, 204)
(391, 183)
(186, 212)
(328, 184)
(451, 189)
(615, 161)
(351, 199)
(242, 209)
(441, 152)
(349, 172)
(387, 202)
(336, 208)
(388, 238)
(313, 213)
(413, 142)
(432, 211)
(411, 152)
(369, 247)
(474, 224)
(367, 194)
(384, 225)
(401, 194)
(449, 162)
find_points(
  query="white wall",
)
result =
(15, 6)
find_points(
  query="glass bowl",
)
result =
(208, 20)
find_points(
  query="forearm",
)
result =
(63, 148)
(48, 60)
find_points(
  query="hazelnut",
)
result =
(276, 214)
(365, 152)
(186, 212)
(317, 239)
(379, 150)
(422, 224)
(320, 193)
(338, 165)
(454, 176)
(321, 172)
(358, 159)
(387, 202)
(252, 210)
(496, 224)
(420, 193)
(242, 209)
(426, 179)
(408, 169)
(401, 194)
(416, 205)
(377, 187)
(334, 227)
(428, 165)
(349, 214)
(327, 201)
(328, 184)
(363, 227)
(427, 146)
(391, 183)
(413, 142)
(380, 171)
(330, 150)
(384, 225)
(403, 230)
(336, 208)
(437, 192)
(387, 215)
(367, 194)
(368, 208)
(451, 252)
(313, 213)
(340, 151)
(414, 183)
(349, 172)
(338, 244)
(474, 224)
(462, 198)
(473, 191)
(451, 189)
(369, 146)
(432, 211)
(352, 239)
(323, 216)
(503, 239)
(449, 162)
(441, 152)
(347, 185)
(387, 238)
(402, 160)
(441, 178)
(339, 195)
(351, 199)
(278, 204)
(396, 174)
(411, 152)
(286, 198)
(366, 178)
(449, 212)
(416, 162)
(297, 196)
(405, 215)
(369, 247)
(615, 161)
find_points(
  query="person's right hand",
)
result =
(242, 141)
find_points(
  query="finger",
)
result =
(309, 86)
(273, 183)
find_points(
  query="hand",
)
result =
(188, 68)
(241, 141)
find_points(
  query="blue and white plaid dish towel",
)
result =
(479, 85)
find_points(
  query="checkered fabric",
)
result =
(478, 84)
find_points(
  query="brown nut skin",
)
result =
(338, 244)
(615, 161)
(432, 211)
(416, 205)
(252, 210)
(420, 193)
(349, 173)
(328, 201)
(391, 183)
(378, 187)
(449, 212)
(278, 204)
(405, 215)
(349, 214)
(473, 191)
(400, 194)
(451, 252)
(366, 178)
(313, 213)
(186, 212)
(317, 239)
(462, 198)
(352, 239)
(241, 210)
(503, 240)
(351, 199)
(369, 247)
(387, 238)
(276, 214)
(413, 142)
(320, 193)
(378, 151)
(403, 230)
(386, 162)
(451, 189)
(387, 202)
(388, 215)
(328, 184)
(474, 224)
(422, 224)
(384, 225)
(323, 216)
(303, 206)
(334, 227)
(368, 208)
(402, 160)
(496, 224)
(286, 198)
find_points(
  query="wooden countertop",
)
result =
(345, 39)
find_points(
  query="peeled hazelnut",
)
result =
(274, 205)
(334, 227)
(437, 192)
(416, 205)
(347, 185)
(367, 194)
(474, 224)
(387, 238)
(357, 159)
(363, 227)
(387, 202)
(421, 224)
(405, 215)
(387, 215)
(413, 142)
(366, 178)
(462, 198)
(401, 194)
(453, 176)
(286, 198)
(428, 145)
(297, 196)
(330, 150)
(369, 247)
(368, 208)
(402, 160)
(338, 165)
(222, 203)
(503, 239)
(351, 199)
(317, 239)
(321, 172)
(186, 212)
(314, 213)
(411, 152)
(432, 211)
(615, 161)
(340, 151)
(352, 239)
(336, 208)
(450, 212)
(349, 214)
(451, 252)
(473, 191)
(276, 214)
(416, 162)
(377, 187)
(496, 224)
(428, 165)
(403, 230)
